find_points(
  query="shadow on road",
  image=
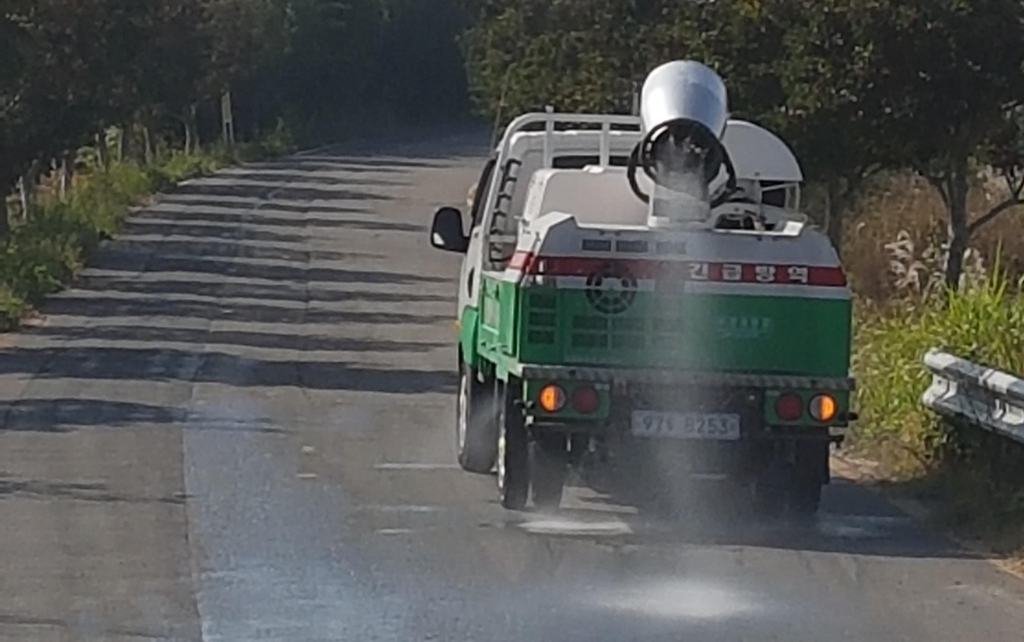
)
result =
(161, 306)
(116, 363)
(242, 209)
(207, 289)
(266, 189)
(78, 629)
(263, 271)
(294, 174)
(62, 415)
(43, 490)
(212, 226)
(111, 256)
(208, 231)
(238, 338)
(275, 216)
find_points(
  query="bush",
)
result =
(983, 323)
(182, 167)
(11, 309)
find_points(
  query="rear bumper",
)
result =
(753, 396)
(663, 377)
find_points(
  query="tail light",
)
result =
(585, 400)
(789, 407)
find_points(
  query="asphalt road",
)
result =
(238, 427)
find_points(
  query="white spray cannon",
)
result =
(684, 110)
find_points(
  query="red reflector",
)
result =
(789, 407)
(585, 400)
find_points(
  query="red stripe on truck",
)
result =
(710, 271)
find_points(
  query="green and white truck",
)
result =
(647, 284)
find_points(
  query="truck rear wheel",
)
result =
(769, 489)
(804, 496)
(476, 428)
(791, 482)
(548, 460)
(513, 453)
(810, 473)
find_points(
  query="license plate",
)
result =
(685, 425)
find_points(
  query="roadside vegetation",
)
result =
(971, 480)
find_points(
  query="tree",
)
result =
(577, 55)
(954, 86)
(812, 82)
(11, 86)
(330, 70)
(79, 72)
(421, 69)
(248, 40)
(167, 68)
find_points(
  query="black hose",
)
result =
(730, 184)
(634, 163)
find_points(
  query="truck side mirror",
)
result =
(446, 232)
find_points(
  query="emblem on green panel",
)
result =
(743, 327)
(611, 288)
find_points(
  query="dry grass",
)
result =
(907, 206)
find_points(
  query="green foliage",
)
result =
(181, 167)
(11, 309)
(983, 323)
(278, 142)
(583, 55)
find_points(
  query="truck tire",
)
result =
(548, 461)
(476, 427)
(513, 452)
(810, 473)
(770, 489)
(804, 495)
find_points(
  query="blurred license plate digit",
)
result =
(685, 425)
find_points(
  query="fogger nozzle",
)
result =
(684, 110)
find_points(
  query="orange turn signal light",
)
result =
(551, 398)
(823, 408)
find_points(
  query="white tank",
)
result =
(684, 90)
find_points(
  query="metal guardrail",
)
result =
(965, 391)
